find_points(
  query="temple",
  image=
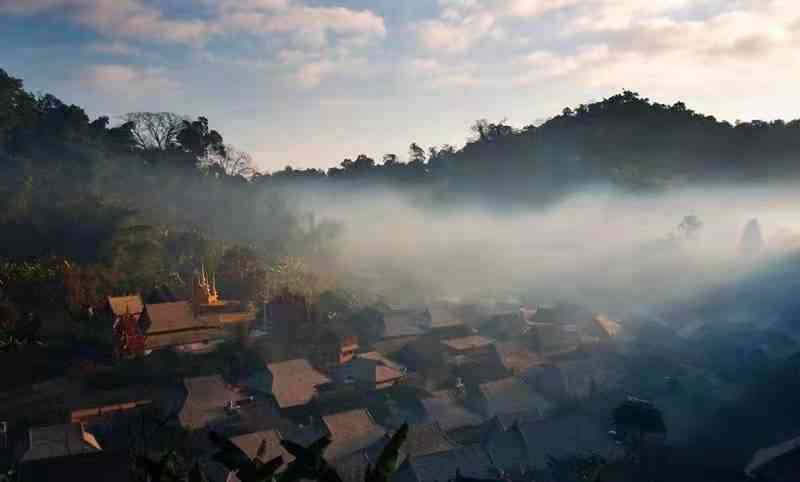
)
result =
(194, 325)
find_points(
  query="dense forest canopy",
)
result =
(143, 200)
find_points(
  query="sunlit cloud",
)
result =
(130, 81)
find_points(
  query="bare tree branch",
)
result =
(154, 130)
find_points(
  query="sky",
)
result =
(311, 82)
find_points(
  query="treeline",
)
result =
(135, 207)
(157, 194)
(624, 140)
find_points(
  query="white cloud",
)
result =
(431, 72)
(31, 7)
(611, 44)
(454, 36)
(533, 8)
(129, 81)
(310, 26)
(121, 49)
(131, 19)
(542, 64)
(311, 74)
(135, 19)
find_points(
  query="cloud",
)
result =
(533, 8)
(454, 34)
(132, 19)
(434, 73)
(312, 73)
(31, 7)
(670, 46)
(135, 19)
(129, 81)
(121, 49)
(544, 64)
(310, 26)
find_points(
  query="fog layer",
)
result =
(614, 251)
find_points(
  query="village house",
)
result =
(565, 435)
(335, 346)
(120, 306)
(59, 441)
(578, 377)
(269, 440)
(444, 409)
(504, 326)
(528, 443)
(404, 323)
(368, 371)
(195, 325)
(426, 439)
(474, 359)
(508, 396)
(468, 461)
(426, 357)
(208, 402)
(467, 345)
(552, 339)
(778, 463)
(293, 384)
(401, 327)
(562, 328)
(444, 322)
(350, 432)
(422, 440)
(517, 358)
(174, 325)
(354, 467)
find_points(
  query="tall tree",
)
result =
(155, 130)
(198, 139)
(416, 154)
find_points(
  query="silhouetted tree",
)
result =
(155, 130)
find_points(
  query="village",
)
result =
(491, 389)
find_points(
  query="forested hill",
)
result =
(158, 193)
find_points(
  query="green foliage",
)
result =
(245, 468)
(389, 458)
(167, 468)
(309, 462)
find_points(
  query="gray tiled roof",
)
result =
(512, 395)
(294, 382)
(559, 436)
(470, 461)
(205, 401)
(450, 415)
(351, 431)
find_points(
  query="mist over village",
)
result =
(379, 241)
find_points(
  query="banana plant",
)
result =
(388, 458)
(309, 462)
(161, 470)
(245, 468)
(196, 474)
